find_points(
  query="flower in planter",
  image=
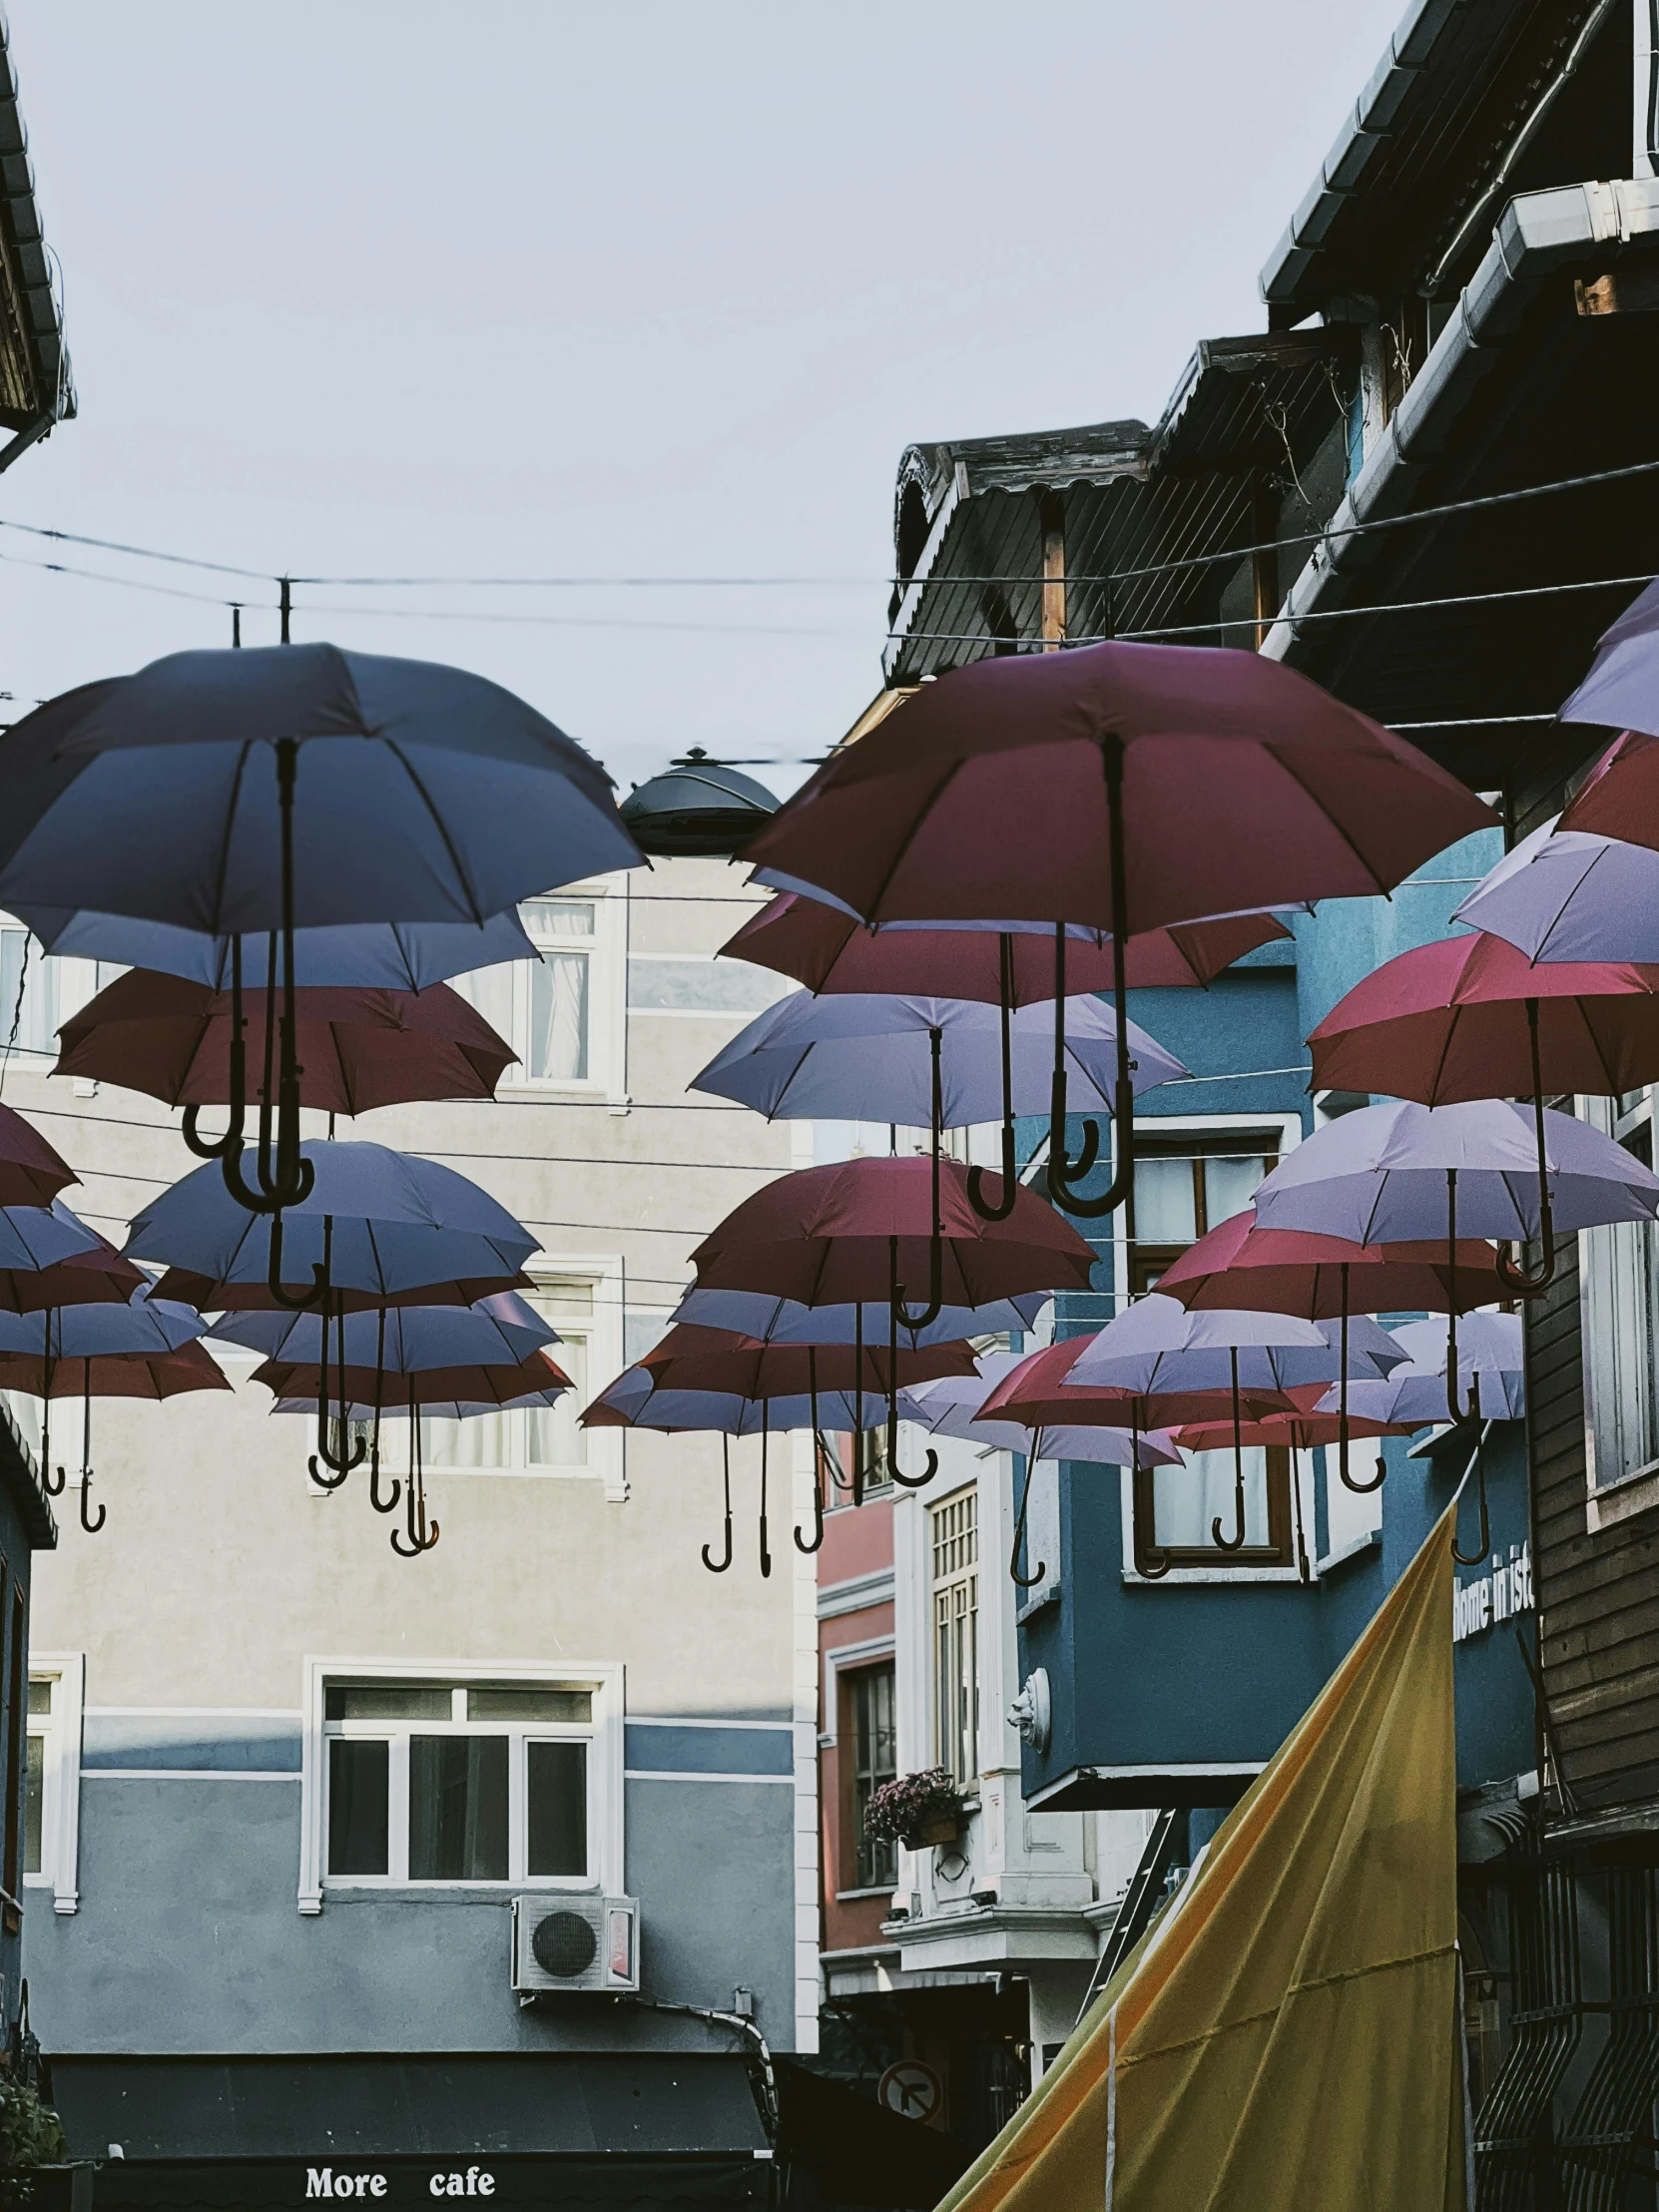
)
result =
(916, 1809)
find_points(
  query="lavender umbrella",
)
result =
(1571, 894)
(1622, 688)
(34, 1237)
(780, 1320)
(496, 1332)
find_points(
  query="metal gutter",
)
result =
(1538, 234)
(41, 390)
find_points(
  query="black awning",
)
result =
(391, 2129)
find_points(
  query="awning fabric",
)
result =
(391, 2129)
(1285, 2036)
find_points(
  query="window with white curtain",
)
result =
(1619, 1306)
(562, 1014)
(23, 963)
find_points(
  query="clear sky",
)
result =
(626, 289)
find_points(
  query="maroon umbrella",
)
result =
(100, 1276)
(1620, 798)
(1472, 1018)
(146, 1374)
(1039, 1395)
(31, 1173)
(358, 1048)
(1237, 1267)
(1124, 785)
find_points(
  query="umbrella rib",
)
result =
(225, 836)
(396, 752)
(1384, 889)
(910, 834)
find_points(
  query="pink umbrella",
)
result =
(1126, 787)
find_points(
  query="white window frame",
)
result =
(74, 982)
(939, 1586)
(1607, 1259)
(607, 960)
(603, 1736)
(1288, 1129)
(61, 1732)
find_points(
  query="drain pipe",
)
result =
(745, 2026)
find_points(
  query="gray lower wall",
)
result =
(188, 1937)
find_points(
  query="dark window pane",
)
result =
(33, 1801)
(458, 1807)
(387, 1701)
(529, 1702)
(357, 1793)
(40, 1697)
(873, 1762)
(557, 1788)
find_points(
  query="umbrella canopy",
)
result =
(828, 1236)
(953, 1406)
(1622, 689)
(36, 1236)
(871, 1059)
(625, 1403)
(96, 1276)
(209, 1295)
(1471, 1017)
(419, 794)
(1293, 1271)
(830, 951)
(697, 1359)
(145, 1323)
(1414, 1395)
(1380, 1176)
(1157, 1345)
(486, 1386)
(1285, 1431)
(1565, 894)
(362, 956)
(1124, 785)
(397, 1222)
(1245, 786)
(1620, 795)
(152, 1374)
(1487, 1344)
(31, 1173)
(496, 1332)
(780, 1321)
(358, 1049)
(1039, 1393)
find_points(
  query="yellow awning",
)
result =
(1287, 2038)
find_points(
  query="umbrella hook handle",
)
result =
(48, 1369)
(294, 1174)
(1479, 1557)
(1151, 1565)
(895, 1308)
(936, 1243)
(348, 1455)
(765, 1548)
(1004, 1205)
(87, 1522)
(718, 1566)
(1517, 1279)
(818, 1467)
(380, 1505)
(1350, 1481)
(318, 1293)
(227, 1146)
(857, 1403)
(424, 1534)
(1234, 1542)
(1063, 1172)
(1040, 1572)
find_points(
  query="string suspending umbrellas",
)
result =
(1121, 786)
(178, 795)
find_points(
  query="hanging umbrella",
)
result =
(374, 1220)
(1123, 786)
(1468, 1016)
(356, 955)
(934, 1063)
(1287, 1432)
(154, 1375)
(209, 1295)
(1392, 1172)
(1564, 894)
(454, 1391)
(31, 1173)
(1622, 689)
(780, 1320)
(38, 1236)
(297, 787)
(96, 1276)
(358, 1049)
(1289, 1271)
(951, 1408)
(832, 951)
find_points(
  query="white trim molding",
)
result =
(605, 1767)
(60, 1835)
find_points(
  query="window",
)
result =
(37, 1018)
(51, 1778)
(956, 1637)
(869, 1699)
(1185, 1186)
(537, 1439)
(1620, 1298)
(435, 1782)
(17, 1707)
(563, 1014)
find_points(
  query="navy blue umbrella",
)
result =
(353, 955)
(296, 787)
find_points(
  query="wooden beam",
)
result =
(1053, 512)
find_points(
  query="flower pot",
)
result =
(939, 1827)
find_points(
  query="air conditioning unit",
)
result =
(575, 1942)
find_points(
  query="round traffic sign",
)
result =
(911, 2089)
